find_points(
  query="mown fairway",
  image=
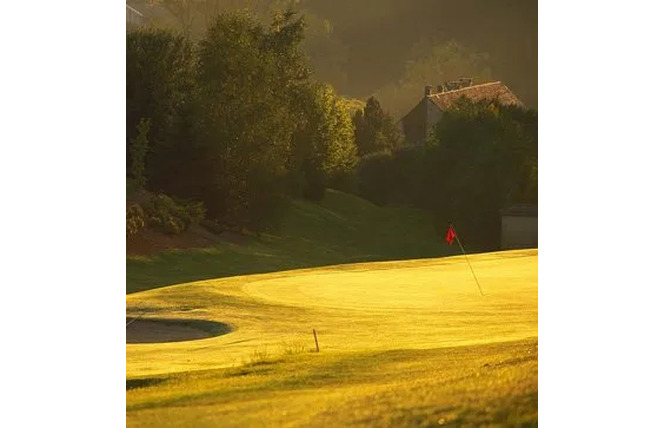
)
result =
(403, 343)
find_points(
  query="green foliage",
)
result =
(342, 35)
(397, 177)
(248, 78)
(375, 176)
(184, 11)
(212, 225)
(331, 154)
(490, 152)
(433, 64)
(482, 157)
(238, 124)
(353, 105)
(159, 66)
(138, 148)
(193, 17)
(374, 129)
(341, 228)
(135, 220)
(240, 119)
(173, 217)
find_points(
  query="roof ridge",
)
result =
(463, 89)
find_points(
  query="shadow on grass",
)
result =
(142, 383)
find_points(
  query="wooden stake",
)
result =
(316, 341)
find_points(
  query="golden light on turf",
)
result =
(405, 343)
(417, 304)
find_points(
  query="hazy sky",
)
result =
(380, 33)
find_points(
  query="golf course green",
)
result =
(402, 343)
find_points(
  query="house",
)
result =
(519, 227)
(416, 124)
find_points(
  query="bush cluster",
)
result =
(481, 158)
(173, 217)
(238, 115)
(135, 220)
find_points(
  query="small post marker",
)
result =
(316, 341)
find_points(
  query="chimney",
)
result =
(465, 82)
(452, 85)
(439, 89)
(428, 90)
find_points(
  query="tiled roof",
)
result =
(486, 91)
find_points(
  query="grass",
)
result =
(340, 229)
(467, 386)
(406, 339)
(403, 343)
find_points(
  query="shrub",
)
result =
(171, 216)
(376, 177)
(138, 149)
(212, 225)
(135, 219)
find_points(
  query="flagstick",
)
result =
(467, 260)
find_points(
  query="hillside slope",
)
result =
(342, 228)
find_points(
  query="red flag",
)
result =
(451, 235)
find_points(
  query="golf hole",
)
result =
(158, 330)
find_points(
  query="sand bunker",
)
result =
(156, 330)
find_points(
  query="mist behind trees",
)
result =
(391, 48)
(228, 125)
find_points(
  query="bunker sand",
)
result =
(140, 330)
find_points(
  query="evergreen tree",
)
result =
(374, 129)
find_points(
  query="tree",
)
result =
(248, 78)
(184, 11)
(160, 68)
(482, 157)
(432, 64)
(485, 159)
(374, 129)
(194, 17)
(139, 148)
(324, 152)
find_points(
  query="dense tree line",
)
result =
(349, 47)
(235, 121)
(481, 158)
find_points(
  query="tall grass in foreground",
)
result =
(493, 384)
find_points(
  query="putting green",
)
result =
(414, 304)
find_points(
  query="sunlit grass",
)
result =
(403, 343)
(340, 229)
(472, 386)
